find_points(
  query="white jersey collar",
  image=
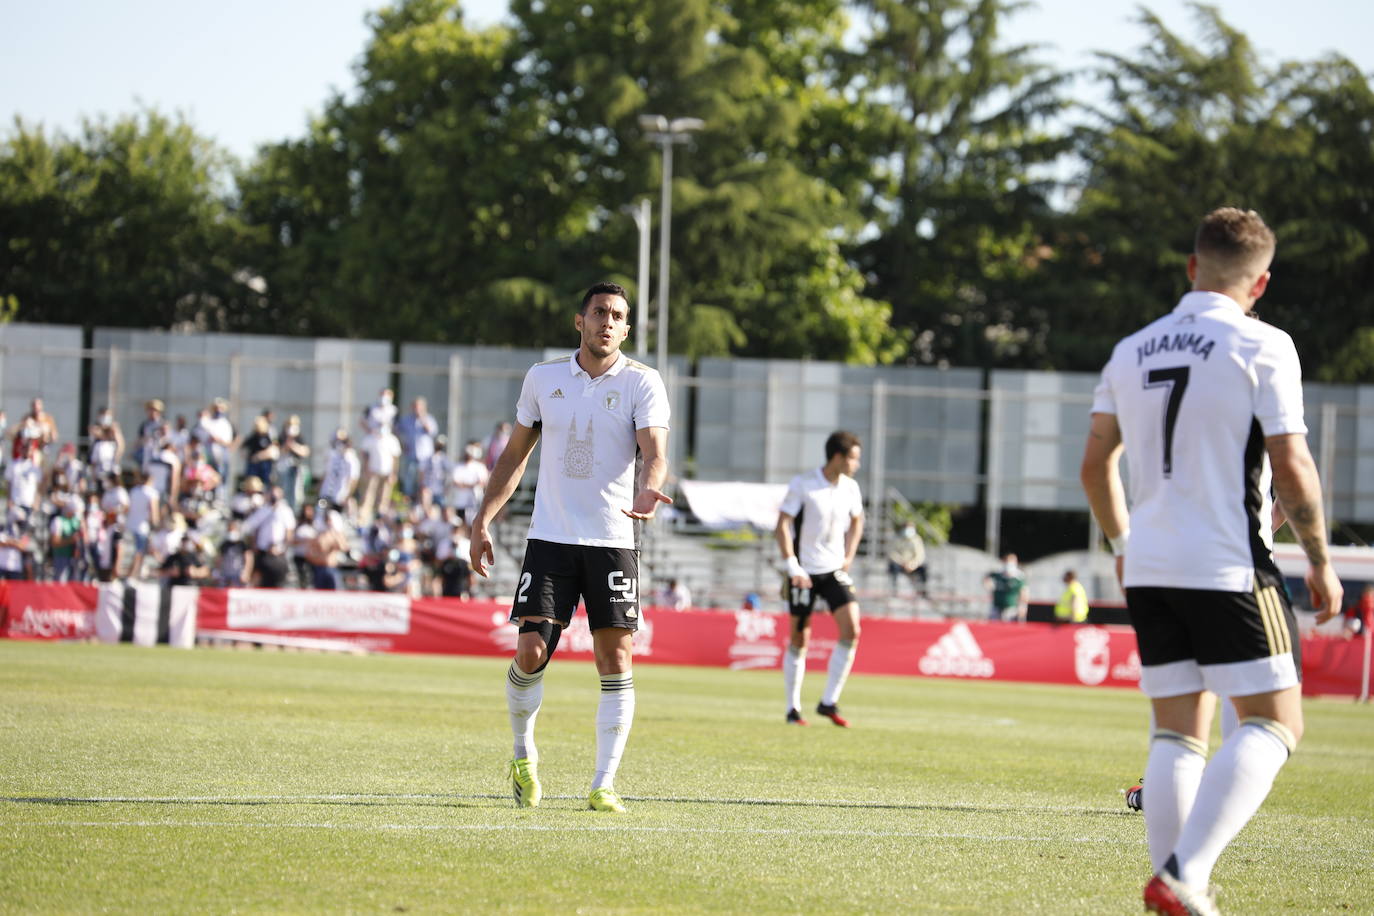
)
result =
(620, 360)
(1203, 300)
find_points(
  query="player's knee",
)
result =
(532, 656)
(1290, 733)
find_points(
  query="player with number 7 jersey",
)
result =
(1206, 405)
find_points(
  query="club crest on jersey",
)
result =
(578, 457)
(612, 400)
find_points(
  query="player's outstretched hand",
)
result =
(646, 501)
(480, 551)
(1325, 590)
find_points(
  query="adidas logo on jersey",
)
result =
(557, 393)
(956, 654)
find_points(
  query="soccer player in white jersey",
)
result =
(593, 409)
(819, 527)
(1206, 404)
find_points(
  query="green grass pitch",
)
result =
(152, 780)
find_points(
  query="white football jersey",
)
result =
(821, 513)
(1195, 394)
(587, 459)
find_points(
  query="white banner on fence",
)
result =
(335, 611)
(730, 504)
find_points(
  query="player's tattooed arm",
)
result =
(1299, 492)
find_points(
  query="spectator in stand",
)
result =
(341, 474)
(381, 413)
(1073, 603)
(270, 528)
(199, 482)
(907, 557)
(675, 596)
(65, 476)
(25, 476)
(109, 549)
(1007, 587)
(92, 526)
(496, 443)
(292, 468)
(434, 475)
(260, 450)
(451, 553)
(468, 481)
(106, 448)
(145, 514)
(164, 463)
(186, 565)
(379, 473)
(15, 558)
(166, 537)
(64, 541)
(416, 431)
(248, 499)
(235, 564)
(46, 425)
(300, 543)
(216, 431)
(180, 434)
(114, 496)
(149, 429)
(326, 551)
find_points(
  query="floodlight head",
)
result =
(682, 125)
(654, 122)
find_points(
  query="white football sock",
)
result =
(1230, 721)
(524, 695)
(614, 714)
(1172, 774)
(1233, 787)
(793, 670)
(841, 660)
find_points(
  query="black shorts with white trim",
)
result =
(554, 576)
(837, 588)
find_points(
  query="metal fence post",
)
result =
(877, 479)
(993, 496)
(455, 406)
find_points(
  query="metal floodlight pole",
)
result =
(660, 130)
(643, 220)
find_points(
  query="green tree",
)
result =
(1191, 127)
(124, 225)
(957, 137)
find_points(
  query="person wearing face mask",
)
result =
(292, 468)
(341, 474)
(270, 529)
(907, 557)
(107, 445)
(235, 562)
(468, 481)
(1007, 587)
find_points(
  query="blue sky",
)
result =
(253, 71)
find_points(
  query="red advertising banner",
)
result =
(741, 640)
(46, 610)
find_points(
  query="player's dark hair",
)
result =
(840, 442)
(604, 288)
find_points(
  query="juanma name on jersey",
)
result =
(1175, 343)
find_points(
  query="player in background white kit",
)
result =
(1206, 403)
(820, 524)
(594, 409)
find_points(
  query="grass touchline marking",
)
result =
(549, 828)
